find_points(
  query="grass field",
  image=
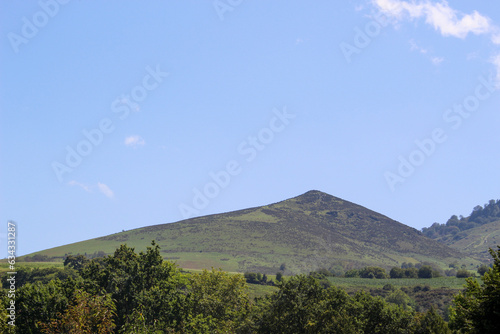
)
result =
(367, 283)
(4, 266)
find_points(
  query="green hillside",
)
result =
(478, 240)
(300, 234)
(472, 235)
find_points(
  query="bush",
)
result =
(372, 272)
(425, 272)
(463, 273)
(411, 273)
(483, 269)
(397, 273)
(352, 273)
(450, 272)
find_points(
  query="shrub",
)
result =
(463, 273)
(352, 273)
(372, 272)
(425, 272)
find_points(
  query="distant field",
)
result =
(343, 282)
(367, 283)
(256, 290)
(4, 266)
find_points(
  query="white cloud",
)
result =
(495, 38)
(440, 15)
(437, 60)
(81, 185)
(446, 20)
(134, 141)
(414, 47)
(434, 59)
(105, 190)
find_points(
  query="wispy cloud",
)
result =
(103, 188)
(134, 141)
(448, 21)
(81, 185)
(437, 60)
(434, 59)
(414, 47)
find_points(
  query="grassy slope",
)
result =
(479, 240)
(305, 233)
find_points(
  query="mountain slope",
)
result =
(302, 233)
(473, 235)
(476, 241)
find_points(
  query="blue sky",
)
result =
(122, 114)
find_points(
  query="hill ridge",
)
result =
(303, 233)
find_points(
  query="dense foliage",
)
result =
(477, 308)
(141, 293)
(454, 227)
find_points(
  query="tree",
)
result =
(430, 322)
(216, 299)
(251, 278)
(482, 269)
(397, 273)
(463, 273)
(76, 262)
(477, 308)
(411, 273)
(292, 308)
(352, 273)
(138, 281)
(279, 276)
(399, 298)
(40, 303)
(425, 272)
(372, 272)
(88, 314)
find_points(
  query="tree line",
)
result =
(454, 228)
(130, 292)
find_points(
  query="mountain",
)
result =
(472, 235)
(477, 241)
(304, 233)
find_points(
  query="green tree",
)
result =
(376, 316)
(75, 262)
(352, 273)
(463, 273)
(87, 314)
(425, 272)
(411, 273)
(477, 308)
(218, 300)
(430, 322)
(482, 269)
(5, 315)
(292, 308)
(399, 298)
(397, 273)
(141, 281)
(40, 303)
(372, 272)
